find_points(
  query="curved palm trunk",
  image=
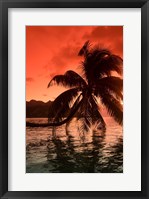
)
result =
(30, 124)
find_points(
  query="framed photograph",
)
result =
(73, 111)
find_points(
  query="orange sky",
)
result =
(52, 50)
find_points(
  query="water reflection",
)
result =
(88, 157)
(65, 150)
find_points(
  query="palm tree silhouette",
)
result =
(97, 86)
(97, 81)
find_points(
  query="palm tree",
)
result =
(86, 93)
(97, 82)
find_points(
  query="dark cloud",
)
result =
(29, 79)
(107, 32)
(108, 36)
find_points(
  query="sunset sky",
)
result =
(52, 50)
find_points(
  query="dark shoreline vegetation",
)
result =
(96, 82)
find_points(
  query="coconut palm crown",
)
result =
(97, 86)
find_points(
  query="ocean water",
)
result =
(68, 150)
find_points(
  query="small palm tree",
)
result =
(86, 93)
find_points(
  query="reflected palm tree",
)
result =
(64, 154)
(69, 159)
(113, 163)
(66, 158)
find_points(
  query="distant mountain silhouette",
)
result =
(40, 109)
(37, 109)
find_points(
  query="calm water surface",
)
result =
(67, 150)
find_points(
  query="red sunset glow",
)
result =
(52, 50)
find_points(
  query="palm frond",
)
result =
(113, 106)
(85, 49)
(90, 115)
(112, 84)
(100, 62)
(84, 115)
(72, 112)
(96, 115)
(66, 110)
(61, 104)
(84, 124)
(98, 53)
(69, 79)
(76, 101)
(108, 64)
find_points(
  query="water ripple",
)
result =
(67, 151)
